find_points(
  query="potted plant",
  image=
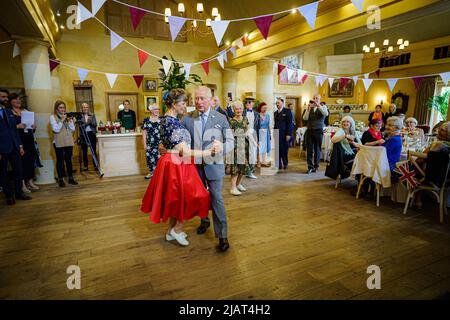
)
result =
(175, 79)
(439, 103)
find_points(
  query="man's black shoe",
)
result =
(223, 245)
(203, 227)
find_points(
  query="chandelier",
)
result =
(194, 27)
(386, 51)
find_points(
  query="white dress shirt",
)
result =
(322, 109)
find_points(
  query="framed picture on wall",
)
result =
(339, 90)
(150, 85)
(150, 100)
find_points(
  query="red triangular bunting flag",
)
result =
(281, 68)
(244, 40)
(142, 57)
(304, 78)
(136, 16)
(263, 24)
(205, 65)
(53, 64)
(343, 81)
(417, 81)
(138, 79)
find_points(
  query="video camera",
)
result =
(75, 115)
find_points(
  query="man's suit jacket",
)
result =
(283, 122)
(257, 123)
(9, 137)
(216, 128)
(220, 110)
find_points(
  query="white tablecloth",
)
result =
(372, 162)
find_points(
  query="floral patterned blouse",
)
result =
(173, 132)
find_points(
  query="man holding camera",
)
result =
(315, 115)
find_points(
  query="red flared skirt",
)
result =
(175, 191)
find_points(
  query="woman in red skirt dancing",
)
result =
(176, 192)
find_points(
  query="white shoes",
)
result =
(241, 188)
(180, 237)
(251, 176)
(170, 238)
(235, 192)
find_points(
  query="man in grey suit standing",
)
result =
(206, 125)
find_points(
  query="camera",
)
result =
(75, 115)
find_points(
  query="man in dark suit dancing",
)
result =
(11, 150)
(285, 126)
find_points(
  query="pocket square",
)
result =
(217, 126)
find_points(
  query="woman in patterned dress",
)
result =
(176, 192)
(239, 125)
(151, 137)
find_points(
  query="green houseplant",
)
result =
(175, 79)
(439, 103)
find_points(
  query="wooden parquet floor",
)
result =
(292, 236)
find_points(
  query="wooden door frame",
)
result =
(108, 113)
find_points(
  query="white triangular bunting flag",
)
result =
(82, 13)
(219, 28)
(290, 73)
(240, 44)
(224, 54)
(355, 80)
(175, 24)
(115, 40)
(82, 74)
(330, 81)
(391, 83)
(233, 51)
(187, 69)
(358, 4)
(96, 5)
(309, 11)
(220, 59)
(111, 78)
(322, 79)
(16, 50)
(317, 81)
(366, 75)
(445, 77)
(367, 83)
(166, 64)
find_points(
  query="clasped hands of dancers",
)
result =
(177, 191)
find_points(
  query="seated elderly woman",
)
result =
(373, 136)
(346, 136)
(393, 143)
(412, 131)
(344, 149)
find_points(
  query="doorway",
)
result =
(115, 99)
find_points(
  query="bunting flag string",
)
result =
(136, 16)
(445, 77)
(138, 79)
(115, 40)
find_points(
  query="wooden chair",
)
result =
(439, 190)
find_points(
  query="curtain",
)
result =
(425, 91)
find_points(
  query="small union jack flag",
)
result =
(406, 174)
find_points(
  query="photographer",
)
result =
(89, 123)
(63, 129)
